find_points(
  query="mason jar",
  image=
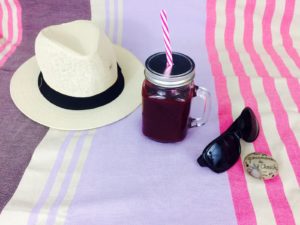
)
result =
(167, 97)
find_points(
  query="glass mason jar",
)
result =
(167, 98)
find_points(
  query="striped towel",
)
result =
(246, 54)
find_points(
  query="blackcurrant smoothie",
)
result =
(167, 94)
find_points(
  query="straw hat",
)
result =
(77, 79)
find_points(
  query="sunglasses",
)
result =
(224, 151)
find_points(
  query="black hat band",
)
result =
(81, 103)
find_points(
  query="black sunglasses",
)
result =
(224, 151)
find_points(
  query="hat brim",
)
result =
(27, 97)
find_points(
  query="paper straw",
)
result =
(166, 35)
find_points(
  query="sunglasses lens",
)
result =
(248, 125)
(221, 154)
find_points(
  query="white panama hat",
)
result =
(78, 79)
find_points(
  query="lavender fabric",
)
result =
(137, 179)
(19, 136)
(127, 178)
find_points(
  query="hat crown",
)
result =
(76, 58)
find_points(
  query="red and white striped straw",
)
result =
(166, 34)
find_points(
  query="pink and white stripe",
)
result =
(244, 209)
(244, 77)
(166, 35)
(289, 44)
(10, 28)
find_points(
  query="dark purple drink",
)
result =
(165, 118)
(167, 98)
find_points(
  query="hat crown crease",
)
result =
(73, 43)
(76, 59)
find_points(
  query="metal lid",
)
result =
(183, 70)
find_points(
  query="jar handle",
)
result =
(204, 94)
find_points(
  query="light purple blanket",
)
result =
(245, 54)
